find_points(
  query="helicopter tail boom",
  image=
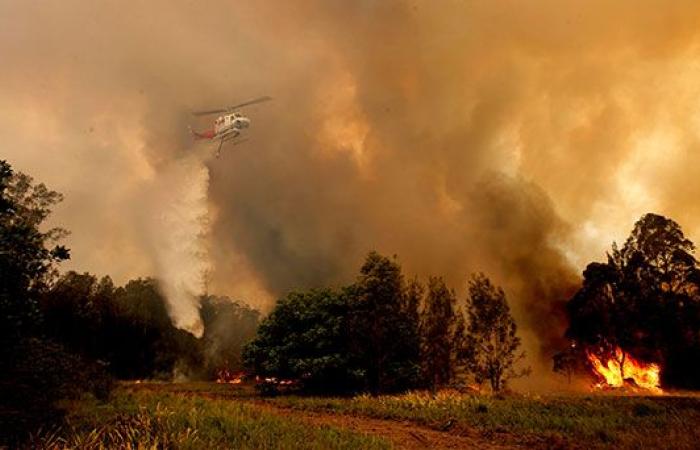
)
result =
(208, 134)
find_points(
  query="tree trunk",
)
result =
(495, 383)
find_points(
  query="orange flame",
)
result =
(226, 376)
(623, 368)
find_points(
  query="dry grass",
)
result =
(205, 415)
(585, 421)
(161, 420)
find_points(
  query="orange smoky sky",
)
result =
(515, 138)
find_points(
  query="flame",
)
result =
(623, 368)
(226, 376)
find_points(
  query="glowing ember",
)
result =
(624, 369)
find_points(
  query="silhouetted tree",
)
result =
(570, 361)
(384, 324)
(34, 372)
(27, 254)
(492, 339)
(127, 328)
(442, 335)
(645, 300)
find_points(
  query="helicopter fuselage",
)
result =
(230, 124)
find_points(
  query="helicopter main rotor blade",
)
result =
(231, 108)
(205, 113)
(251, 102)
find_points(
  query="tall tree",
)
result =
(385, 328)
(34, 372)
(645, 300)
(28, 254)
(492, 339)
(442, 335)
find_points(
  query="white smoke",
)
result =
(179, 227)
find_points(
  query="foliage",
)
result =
(384, 326)
(39, 374)
(644, 299)
(491, 335)
(128, 328)
(364, 337)
(156, 420)
(442, 335)
(374, 336)
(570, 361)
(27, 254)
(34, 372)
(305, 338)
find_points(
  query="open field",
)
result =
(207, 415)
(146, 419)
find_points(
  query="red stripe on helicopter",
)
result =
(207, 134)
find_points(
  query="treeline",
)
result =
(645, 300)
(128, 328)
(64, 336)
(386, 334)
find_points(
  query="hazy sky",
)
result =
(516, 138)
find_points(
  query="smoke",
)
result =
(513, 138)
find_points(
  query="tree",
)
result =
(364, 336)
(126, 328)
(78, 310)
(568, 362)
(306, 338)
(27, 254)
(34, 372)
(384, 324)
(442, 335)
(491, 335)
(644, 300)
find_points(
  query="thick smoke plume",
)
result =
(515, 138)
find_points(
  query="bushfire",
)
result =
(624, 370)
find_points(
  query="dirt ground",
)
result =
(402, 435)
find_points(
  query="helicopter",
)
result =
(227, 127)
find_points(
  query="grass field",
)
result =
(203, 415)
(549, 421)
(148, 419)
